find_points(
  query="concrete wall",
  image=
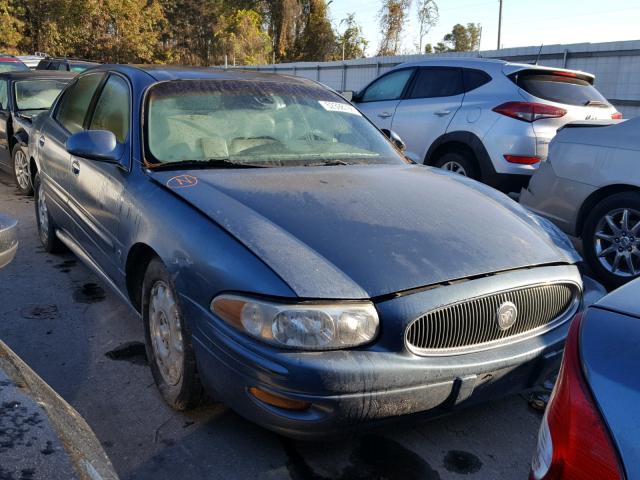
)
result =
(616, 66)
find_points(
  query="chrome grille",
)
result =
(472, 324)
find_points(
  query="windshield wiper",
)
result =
(202, 164)
(327, 163)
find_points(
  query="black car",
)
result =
(22, 96)
(65, 64)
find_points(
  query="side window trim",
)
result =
(94, 101)
(404, 90)
(54, 115)
(92, 107)
(414, 80)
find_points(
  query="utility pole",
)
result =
(499, 24)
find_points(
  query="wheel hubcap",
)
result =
(43, 214)
(22, 169)
(617, 242)
(455, 167)
(166, 333)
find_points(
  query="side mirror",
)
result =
(395, 139)
(8, 239)
(100, 145)
(348, 95)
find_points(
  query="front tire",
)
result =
(611, 239)
(460, 163)
(21, 174)
(46, 226)
(168, 340)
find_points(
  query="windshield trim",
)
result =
(148, 159)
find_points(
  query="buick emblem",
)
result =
(507, 315)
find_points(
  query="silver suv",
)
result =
(487, 119)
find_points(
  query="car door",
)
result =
(96, 187)
(432, 99)
(68, 117)
(379, 100)
(5, 114)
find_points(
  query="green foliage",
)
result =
(197, 32)
(463, 39)
(10, 27)
(243, 40)
(392, 17)
(351, 43)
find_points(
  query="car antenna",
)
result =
(539, 52)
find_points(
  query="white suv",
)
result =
(487, 119)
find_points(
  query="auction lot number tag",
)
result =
(338, 107)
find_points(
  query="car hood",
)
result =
(365, 231)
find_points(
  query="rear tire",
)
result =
(46, 225)
(168, 340)
(612, 244)
(20, 168)
(459, 162)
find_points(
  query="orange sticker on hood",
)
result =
(182, 181)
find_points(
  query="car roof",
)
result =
(493, 63)
(35, 74)
(169, 72)
(71, 60)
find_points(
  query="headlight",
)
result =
(304, 326)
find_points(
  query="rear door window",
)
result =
(75, 103)
(559, 87)
(112, 109)
(474, 78)
(432, 82)
(389, 87)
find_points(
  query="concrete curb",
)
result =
(87, 455)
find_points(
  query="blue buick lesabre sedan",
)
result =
(283, 255)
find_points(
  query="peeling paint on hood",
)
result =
(369, 230)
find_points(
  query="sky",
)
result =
(524, 22)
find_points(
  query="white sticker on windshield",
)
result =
(338, 107)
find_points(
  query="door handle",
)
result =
(75, 167)
(41, 140)
(384, 115)
(443, 113)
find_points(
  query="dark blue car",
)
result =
(287, 258)
(591, 429)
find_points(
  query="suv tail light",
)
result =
(616, 116)
(528, 111)
(573, 442)
(522, 159)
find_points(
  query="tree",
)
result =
(244, 39)
(128, 31)
(463, 39)
(428, 48)
(351, 43)
(10, 27)
(427, 18)
(316, 39)
(392, 15)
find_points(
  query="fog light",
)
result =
(278, 401)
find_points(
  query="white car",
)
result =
(490, 120)
(590, 188)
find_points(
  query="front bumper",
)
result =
(348, 389)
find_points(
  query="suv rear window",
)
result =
(559, 87)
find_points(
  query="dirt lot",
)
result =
(86, 344)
